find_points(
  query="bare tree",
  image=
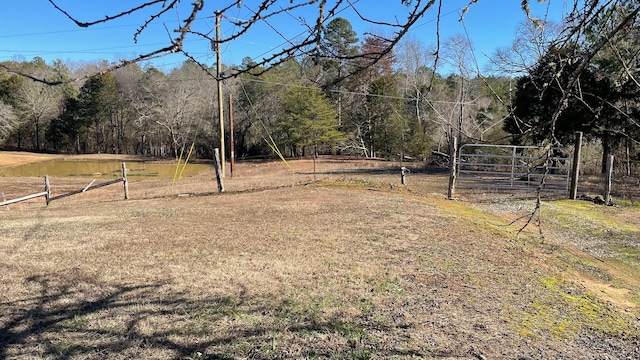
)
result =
(38, 104)
(453, 112)
(180, 104)
(415, 63)
(8, 120)
(531, 42)
(309, 42)
(266, 11)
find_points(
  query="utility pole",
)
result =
(219, 81)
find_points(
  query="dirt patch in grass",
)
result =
(352, 265)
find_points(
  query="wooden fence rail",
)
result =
(47, 190)
(24, 198)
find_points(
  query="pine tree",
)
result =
(310, 120)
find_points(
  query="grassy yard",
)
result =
(352, 265)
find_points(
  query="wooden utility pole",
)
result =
(231, 144)
(219, 81)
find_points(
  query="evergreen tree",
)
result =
(89, 123)
(337, 48)
(589, 85)
(618, 62)
(387, 128)
(64, 132)
(538, 97)
(10, 85)
(310, 120)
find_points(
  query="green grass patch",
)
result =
(66, 350)
(214, 310)
(144, 213)
(584, 266)
(601, 217)
(565, 310)
(384, 285)
(628, 203)
(350, 183)
(627, 254)
(75, 323)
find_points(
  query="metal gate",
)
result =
(506, 167)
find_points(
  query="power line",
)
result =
(56, 32)
(356, 92)
(289, 40)
(107, 50)
(290, 85)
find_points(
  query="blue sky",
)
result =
(35, 28)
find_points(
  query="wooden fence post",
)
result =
(607, 183)
(575, 169)
(403, 175)
(125, 181)
(216, 158)
(47, 189)
(453, 154)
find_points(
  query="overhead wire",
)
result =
(271, 142)
(346, 92)
(356, 92)
(288, 40)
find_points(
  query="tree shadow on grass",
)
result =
(68, 316)
(78, 318)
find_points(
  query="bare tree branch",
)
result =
(116, 16)
(586, 60)
(29, 76)
(266, 9)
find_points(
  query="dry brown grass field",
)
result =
(351, 265)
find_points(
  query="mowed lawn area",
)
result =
(346, 263)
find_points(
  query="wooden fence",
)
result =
(92, 186)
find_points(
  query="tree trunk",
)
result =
(37, 144)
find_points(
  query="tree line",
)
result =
(350, 96)
(587, 79)
(397, 106)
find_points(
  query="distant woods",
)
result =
(376, 96)
(397, 106)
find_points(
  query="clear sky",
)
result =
(35, 28)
